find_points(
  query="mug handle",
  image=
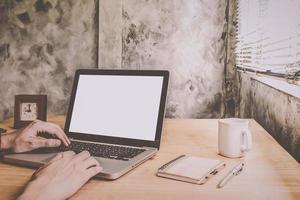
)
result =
(247, 140)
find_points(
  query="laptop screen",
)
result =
(117, 106)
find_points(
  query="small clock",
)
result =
(29, 108)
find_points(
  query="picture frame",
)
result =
(29, 108)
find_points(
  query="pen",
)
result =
(234, 172)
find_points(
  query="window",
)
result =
(268, 37)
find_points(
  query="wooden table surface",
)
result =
(269, 173)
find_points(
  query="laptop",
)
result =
(116, 115)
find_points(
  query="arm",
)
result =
(27, 139)
(61, 177)
(7, 141)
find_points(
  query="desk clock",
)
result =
(29, 108)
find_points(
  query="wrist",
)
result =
(32, 191)
(7, 141)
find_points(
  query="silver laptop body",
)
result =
(112, 107)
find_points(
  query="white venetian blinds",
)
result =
(268, 36)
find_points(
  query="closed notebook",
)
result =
(191, 169)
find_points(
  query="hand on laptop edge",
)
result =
(27, 139)
(61, 177)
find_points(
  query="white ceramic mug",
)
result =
(234, 137)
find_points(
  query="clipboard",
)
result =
(191, 169)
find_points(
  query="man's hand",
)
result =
(62, 176)
(27, 139)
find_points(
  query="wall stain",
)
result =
(132, 35)
(276, 111)
(231, 89)
(4, 51)
(213, 108)
(41, 6)
(49, 48)
(186, 39)
(24, 18)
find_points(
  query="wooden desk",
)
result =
(270, 172)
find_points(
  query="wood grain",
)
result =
(270, 172)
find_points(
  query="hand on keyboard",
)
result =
(27, 139)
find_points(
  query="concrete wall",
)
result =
(188, 38)
(277, 112)
(42, 43)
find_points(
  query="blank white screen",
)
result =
(118, 106)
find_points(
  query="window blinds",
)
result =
(268, 36)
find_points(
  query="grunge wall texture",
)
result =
(187, 38)
(42, 42)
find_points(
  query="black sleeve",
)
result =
(2, 152)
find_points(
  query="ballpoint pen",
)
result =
(234, 172)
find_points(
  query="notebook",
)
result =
(191, 169)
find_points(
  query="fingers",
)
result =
(52, 143)
(92, 167)
(93, 171)
(67, 155)
(59, 159)
(90, 162)
(59, 133)
(81, 156)
(62, 133)
(42, 142)
(52, 129)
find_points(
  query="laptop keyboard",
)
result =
(97, 150)
(104, 151)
